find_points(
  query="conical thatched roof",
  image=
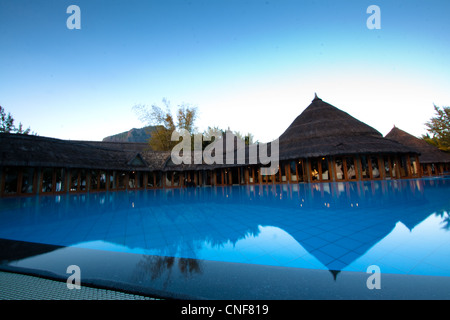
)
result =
(324, 130)
(428, 153)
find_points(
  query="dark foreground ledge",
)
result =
(179, 278)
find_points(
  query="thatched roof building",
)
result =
(322, 144)
(428, 153)
(324, 130)
(36, 151)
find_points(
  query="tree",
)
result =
(186, 116)
(439, 128)
(161, 138)
(432, 140)
(7, 124)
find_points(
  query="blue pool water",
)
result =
(403, 227)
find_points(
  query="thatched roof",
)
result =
(324, 130)
(321, 130)
(126, 146)
(156, 160)
(37, 151)
(428, 153)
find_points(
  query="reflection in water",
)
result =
(445, 216)
(323, 226)
(157, 267)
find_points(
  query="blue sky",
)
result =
(252, 66)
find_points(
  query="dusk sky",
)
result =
(252, 66)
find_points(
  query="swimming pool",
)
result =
(242, 242)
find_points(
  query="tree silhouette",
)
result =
(160, 140)
(439, 128)
(7, 124)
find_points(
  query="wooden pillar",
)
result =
(408, 168)
(419, 166)
(307, 169)
(358, 168)
(287, 171)
(88, 180)
(369, 167)
(332, 169)
(145, 179)
(67, 180)
(381, 167)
